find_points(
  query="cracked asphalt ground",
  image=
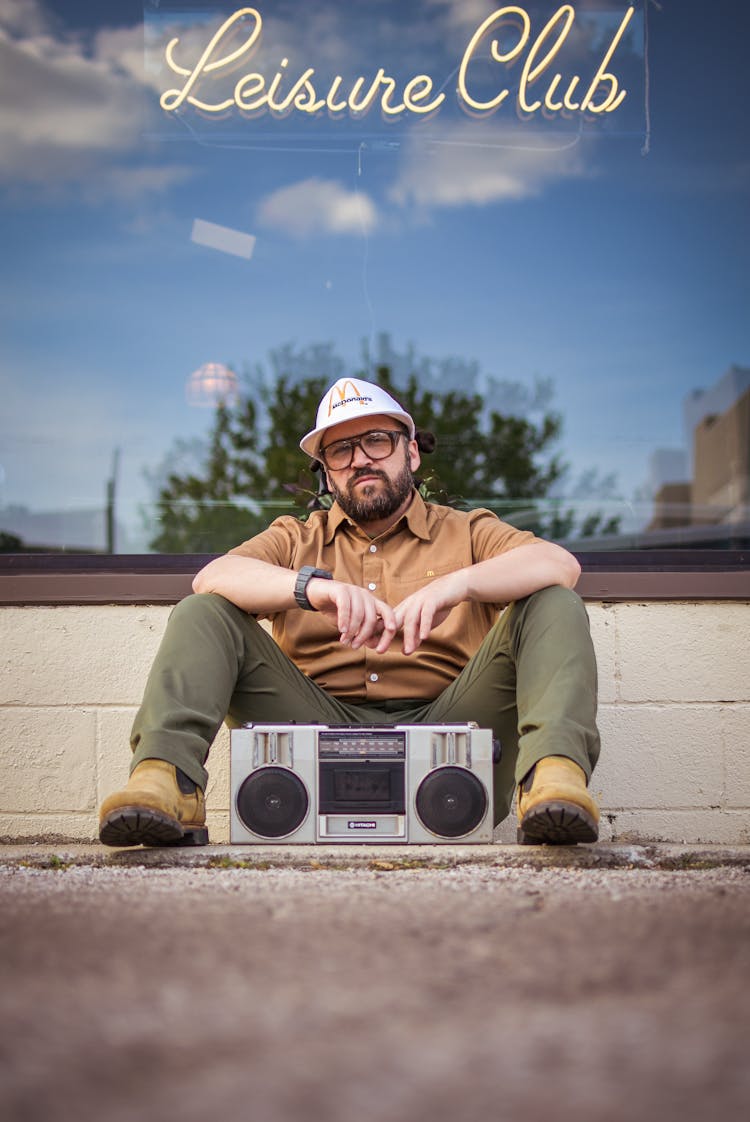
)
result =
(440, 994)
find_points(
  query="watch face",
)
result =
(304, 576)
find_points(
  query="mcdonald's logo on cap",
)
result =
(347, 400)
(340, 389)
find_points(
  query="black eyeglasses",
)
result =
(376, 445)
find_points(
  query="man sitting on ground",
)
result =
(385, 609)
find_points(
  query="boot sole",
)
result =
(135, 825)
(557, 823)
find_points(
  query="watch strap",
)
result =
(304, 576)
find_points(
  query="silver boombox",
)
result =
(325, 783)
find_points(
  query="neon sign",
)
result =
(307, 92)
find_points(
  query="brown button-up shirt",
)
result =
(428, 541)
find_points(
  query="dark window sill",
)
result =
(28, 579)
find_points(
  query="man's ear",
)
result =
(414, 457)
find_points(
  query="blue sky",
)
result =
(535, 248)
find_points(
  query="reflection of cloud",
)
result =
(461, 15)
(315, 33)
(318, 206)
(120, 49)
(69, 103)
(126, 184)
(595, 21)
(458, 171)
(24, 17)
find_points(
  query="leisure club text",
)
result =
(505, 37)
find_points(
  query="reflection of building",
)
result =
(714, 401)
(718, 492)
(672, 506)
(667, 465)
(721, 474)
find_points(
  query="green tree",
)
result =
(238, 485)
(253, 470)
(10, 543)
(495, 457)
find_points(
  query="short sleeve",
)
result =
(491, 536)
(276, 545)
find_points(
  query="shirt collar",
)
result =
(415, 517)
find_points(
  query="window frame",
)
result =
(28, 579)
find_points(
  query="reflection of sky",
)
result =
(622, 277)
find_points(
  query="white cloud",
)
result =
(457, 170)
(24, 17)
(462, 15)
(70, 106)
(121, 50)
(61, 102)
(318, 206)
(128, 184)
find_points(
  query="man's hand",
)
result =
(498, 580)
(426, 608)
(362, 620)
(359, 617)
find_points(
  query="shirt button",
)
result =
(372, 586)
(373, 549)
(373, 677)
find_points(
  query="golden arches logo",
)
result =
(342, 388)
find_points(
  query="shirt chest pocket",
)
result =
(404, 585)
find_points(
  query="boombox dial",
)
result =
(325, 783)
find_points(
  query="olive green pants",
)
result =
(532, 681)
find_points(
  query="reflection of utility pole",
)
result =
(111, 493)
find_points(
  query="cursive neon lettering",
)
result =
(530, 73)
(567, 102)
(333, 105)
(476, 38)
(613, 99)
(385, 101)
(257, 85)
(366, 102)
(299, 88)
(309, 93)
(417, 89)
(271, 93)
(553, 106)
(306, 102)
(173, 99)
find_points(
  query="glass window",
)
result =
(530, 220)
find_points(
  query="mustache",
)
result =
(363, 473)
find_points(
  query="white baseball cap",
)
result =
(348, 400)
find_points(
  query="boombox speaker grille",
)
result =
(272, 802)
(451, 802)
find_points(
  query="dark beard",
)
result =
(374, 507)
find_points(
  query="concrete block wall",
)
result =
(674, 686)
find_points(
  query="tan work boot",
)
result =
(554, 807)
(159, 806)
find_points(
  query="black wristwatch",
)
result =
(304, 576)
